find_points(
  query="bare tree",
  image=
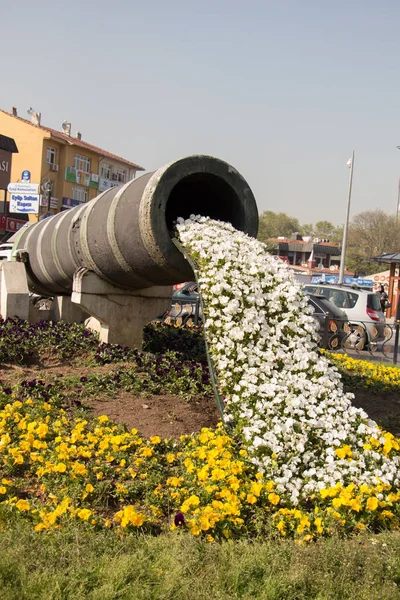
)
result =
(371, 233)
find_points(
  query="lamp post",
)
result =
(350, 164)
(398, 195)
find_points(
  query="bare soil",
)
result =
(172, 416)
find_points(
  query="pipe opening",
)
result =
(207, 195)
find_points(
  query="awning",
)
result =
(392, 257)
(8, 144)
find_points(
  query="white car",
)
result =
(5, 251)
(363, 309)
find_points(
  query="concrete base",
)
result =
(121, 314)
(14, 292)
(63, 309)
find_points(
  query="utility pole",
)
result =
(350, 164)
(398, 201)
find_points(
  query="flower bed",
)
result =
(364, 374)
(57, 467)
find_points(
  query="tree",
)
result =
(371, 233)
(327, 230)
(273, 225)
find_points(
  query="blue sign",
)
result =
(346, 280)
(24, 203)
(69, 203)
(26, 176)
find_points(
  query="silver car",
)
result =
(363, 309)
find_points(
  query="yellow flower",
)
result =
(129, 516)
(372, 503)
(256, 488)
(193, 500)
(355, 505)
(155, 440)
(60, 468)
(3, 490)
(170, 457)
(195, 530)
(387, 514)
(89, 488)
(23, 505)
(318, 524)
(84, 514)
(147, 452)
(337, 502)
(344, 451)
(79, 468)
(251, 499)
(102, 419)
(273, 498)
(42, 430)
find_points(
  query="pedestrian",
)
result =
(383, 298)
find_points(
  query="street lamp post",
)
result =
(350, 164)
(398, 195)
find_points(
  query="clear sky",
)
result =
(282, 90)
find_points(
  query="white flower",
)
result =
(284, 399)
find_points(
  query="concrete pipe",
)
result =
(124, 234)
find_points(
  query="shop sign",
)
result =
(357, 281)
(106, 184)
(14, 224)
(81, 177)
(70, 203)
(44, 201)
(24, 203)
(23, 188)
(5, 169)
(26, 176)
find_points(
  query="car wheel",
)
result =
(357, 339)
(334, 342)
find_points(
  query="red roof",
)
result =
(76, 142)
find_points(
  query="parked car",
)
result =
(334, 328)
(185, 308)
(5, 251)
(363, 309)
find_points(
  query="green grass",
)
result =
(76, 564)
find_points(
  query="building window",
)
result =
(119, 176)
(106, 172)
(51, 155)
(82, 163)
(79, 193)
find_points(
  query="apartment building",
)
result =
(68, 169)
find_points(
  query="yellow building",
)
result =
(69, 171)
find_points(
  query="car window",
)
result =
(314, 306)
(326, 292)
(352, 299)
(310, 289)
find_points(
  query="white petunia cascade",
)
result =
(283, 398)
